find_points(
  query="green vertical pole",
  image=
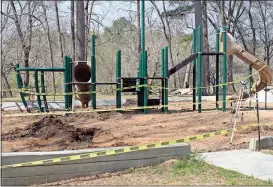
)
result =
(166, 67)
(139, 82)
(224, 68)
(144, 61)
(250, 85)
(70, 96)
(66, 80)
(37, 90)
(194, 71)
(199, 66)
(43, 90)
(19, 87)
(93, 73)
(118, 79)
(145, 88)
(163, 80)
(217, 70)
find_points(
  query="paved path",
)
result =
(54, 105)
(256, 164)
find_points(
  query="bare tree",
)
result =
(80, 31)
(49, 44)
(73, 30)
(167, 32)
(24, 39)
(205, 67)
(59, 29)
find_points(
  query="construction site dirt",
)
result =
(128, 128)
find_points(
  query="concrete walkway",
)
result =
(54, 104)
(251, 163)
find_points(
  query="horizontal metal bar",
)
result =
(182, 64)
(143, 78)
(89, 83)
(211, 53)
(40, 69)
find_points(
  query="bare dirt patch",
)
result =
(128, 128)
(50, 128)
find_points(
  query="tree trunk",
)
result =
(73, 30)
(187, 76)
(169, 39)
(205, 66)
(59, 29)
(26, 48)
(138, 29)
(7, 85)
(80, 32)
(86, 29)
(50, 46)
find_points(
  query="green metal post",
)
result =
(166, 67)
(93, 73)
(70, 96)
(250, 85)
(66, 80)
(145, 81)
(37, 90)
(199, 66)
(144, 61)
(224, 68)
(217, 70)
(194, 71)
(43, 90)
(140, 82)
(163, 80)
(118, 76)
(19, 87)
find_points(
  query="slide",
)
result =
(265, 72)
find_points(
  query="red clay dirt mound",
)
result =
(52, 127)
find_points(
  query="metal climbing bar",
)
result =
(43, 90)
(22, 95)
(224, 68)
(217, 69)
(36, 82)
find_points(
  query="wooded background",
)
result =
(40, 34)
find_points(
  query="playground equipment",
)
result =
(265, 72)
(79, 73)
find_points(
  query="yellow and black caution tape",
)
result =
(94, 111)
(137, 86)
(129, 149)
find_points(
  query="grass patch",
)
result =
(188, 171)
(208, 174)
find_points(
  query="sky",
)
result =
(112, 10)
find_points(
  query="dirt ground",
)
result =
(89, 130)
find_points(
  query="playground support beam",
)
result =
(66, 80)
(250, 85)
(224, 68)
(144, 58)
(70, 96)
(217, 70)
(93, 73)
(162, 81)
(118, 79)
(166, 91)
(43, 90)
(199, 66)
(20, 87)
(194, 70)
(37, 91)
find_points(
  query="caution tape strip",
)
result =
(71, 93)
(97, 110)
(129, 149)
